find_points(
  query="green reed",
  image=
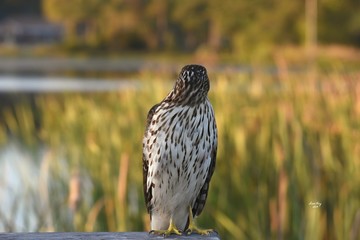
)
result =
(288, 162)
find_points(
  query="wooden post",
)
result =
(98, 236)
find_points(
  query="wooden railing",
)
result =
(98, 236)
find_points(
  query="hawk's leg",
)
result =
(193, 228)
(171, 230)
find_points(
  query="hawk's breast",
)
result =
(178, 144)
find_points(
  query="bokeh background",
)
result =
(78, 77)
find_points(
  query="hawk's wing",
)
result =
(147, 191)
(201, 198)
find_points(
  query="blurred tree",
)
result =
(158, 14)
(78, 17)
(266, 24)
(122, 25)
(191, 17)
(339, 22)
(245, 28)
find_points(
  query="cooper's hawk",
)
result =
(179, 153)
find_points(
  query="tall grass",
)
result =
(288, 160)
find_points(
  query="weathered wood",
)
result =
(98, 236)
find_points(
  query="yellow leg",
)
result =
(171, 230)
(194, 229)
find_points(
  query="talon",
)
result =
(165, 233)
(197, 230)
(194, 229)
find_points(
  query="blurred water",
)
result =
(31, 196)
(25, 179)
(121, 65)
(10, 83)
(19, 178)
(124, 65)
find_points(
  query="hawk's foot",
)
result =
(171, 230)
(194, 229)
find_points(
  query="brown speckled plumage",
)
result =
(179, 151)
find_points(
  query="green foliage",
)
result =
(284, 145)
(342, 16)
(245, 28)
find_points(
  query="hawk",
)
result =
(179, 154)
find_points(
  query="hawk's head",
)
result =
(191, 86)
